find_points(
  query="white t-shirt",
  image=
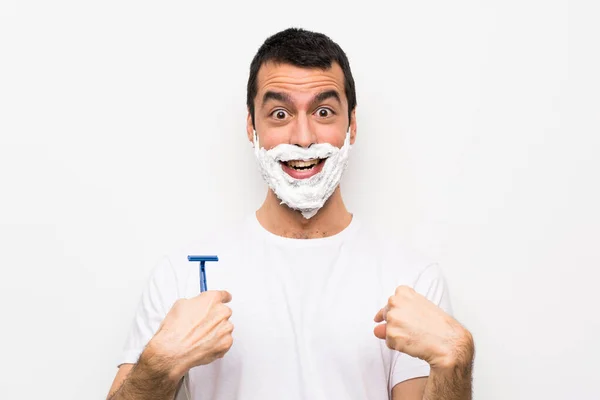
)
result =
(302, 309)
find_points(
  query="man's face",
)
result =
(300, 106)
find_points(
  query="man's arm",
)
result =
(143, 381)
(449, 383)
(417, 327)
(194, 332)
(441, 384)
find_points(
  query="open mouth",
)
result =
(302, 169)
(300, 165)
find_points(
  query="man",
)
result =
(323, 307)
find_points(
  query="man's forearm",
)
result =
(146, 383)
(452, 383)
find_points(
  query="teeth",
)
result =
(302, 164)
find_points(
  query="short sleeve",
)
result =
(157, 298)
(431, 284)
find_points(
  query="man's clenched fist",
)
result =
(195, 332)
(417, 327)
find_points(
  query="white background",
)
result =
(122, 136)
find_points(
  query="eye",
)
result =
(279, 114)
(324, 112)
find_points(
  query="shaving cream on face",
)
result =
(305, 195)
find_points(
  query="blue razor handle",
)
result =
(203, 260)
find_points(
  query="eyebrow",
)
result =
(285, 98)
(279, 96)
(329, 94)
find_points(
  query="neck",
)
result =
(281, 220)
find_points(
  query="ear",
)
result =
(249, 128)
(353, 126)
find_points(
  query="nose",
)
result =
(303, 135)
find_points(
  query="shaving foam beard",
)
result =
(305, 195)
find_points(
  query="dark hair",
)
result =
(300, 48)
